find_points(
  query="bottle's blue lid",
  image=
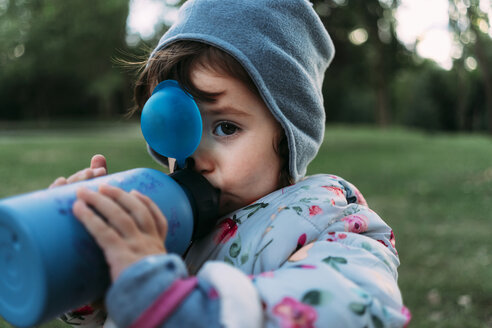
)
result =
(171, 122)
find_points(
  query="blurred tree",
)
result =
(470, 23)
(56, 61)
(55, 58)
(146, 45)
(368, 57)
(427, 97)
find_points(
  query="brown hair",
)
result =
(176, 61)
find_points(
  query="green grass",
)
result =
(434, 190)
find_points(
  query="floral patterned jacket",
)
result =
(309, 255)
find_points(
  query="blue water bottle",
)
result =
(50, 264)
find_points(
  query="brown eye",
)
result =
(225, 129)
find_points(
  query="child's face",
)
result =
(236, 153)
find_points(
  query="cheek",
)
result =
(256, 170)
(239, 172)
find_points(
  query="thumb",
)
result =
(98, 161)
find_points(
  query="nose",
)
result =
(203, 159)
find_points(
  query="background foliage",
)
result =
(57, 60)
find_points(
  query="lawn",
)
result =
(434, 190)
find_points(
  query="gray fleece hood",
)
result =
(283, 46)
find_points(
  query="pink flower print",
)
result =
(227, 229)
(267, 274)
(305, 266)
(360, 199)
(213, 294)
(336, 238)
(408, 315)
(315, 210)
(294, 314)
(84, 310)
(392, 239)
(301, 241)
(337, 191)
(392, 242)
(355, 223)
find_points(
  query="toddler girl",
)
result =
(288, 250)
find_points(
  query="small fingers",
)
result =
(137, 209)
(115, 215)
(86, 174)
(104, 235)
(100, 171)
(58, 182)
(97, 168)
(80, 176)
(159, 218)
(98, 161)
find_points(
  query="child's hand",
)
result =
(97, 168)
(133, 226)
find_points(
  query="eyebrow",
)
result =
(227, 110)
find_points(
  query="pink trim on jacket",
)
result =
(166, 303)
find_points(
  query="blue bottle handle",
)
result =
(171, 122)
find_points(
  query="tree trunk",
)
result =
(462, 92)
(379, 67)
(382, 110)
(486, 75)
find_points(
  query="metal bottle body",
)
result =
(48, 261)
